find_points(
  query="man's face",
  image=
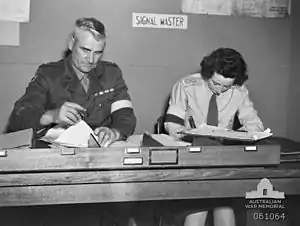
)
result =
(219, 84)
(86, 51)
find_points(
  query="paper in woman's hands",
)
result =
(77, 135)
(212, 131)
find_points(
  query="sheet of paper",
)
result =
(219, 7)
(53, 133)
(10, 33)
(264, 8)
(212, 131)
(14, 10)
(77, 135)
(253, 8)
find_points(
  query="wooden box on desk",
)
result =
(139, 157)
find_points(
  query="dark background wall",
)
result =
(293, 120)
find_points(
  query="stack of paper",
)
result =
(77, 135)
(212, 131)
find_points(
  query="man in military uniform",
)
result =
(80, 86)
(214, 97)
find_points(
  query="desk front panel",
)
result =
(98, 186)
(68, 159)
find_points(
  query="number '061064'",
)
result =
(269, 216)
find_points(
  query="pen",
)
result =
(95, 140)
(83, 114)
(192, 122)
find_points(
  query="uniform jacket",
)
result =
(107, 101)
(191, 95)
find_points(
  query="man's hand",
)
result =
(68, 114)
(106, 136)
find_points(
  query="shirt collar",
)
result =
(79, 74)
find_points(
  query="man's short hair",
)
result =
(226, 62)
(92, 25)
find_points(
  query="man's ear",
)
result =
(71, 42)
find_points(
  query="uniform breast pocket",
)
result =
(103, 102)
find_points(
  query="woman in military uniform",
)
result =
(214, 97)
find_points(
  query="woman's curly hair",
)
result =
(226, 62)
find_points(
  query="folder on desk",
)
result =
(216, 132)
(17, 139)
(162, 140)
(149, 141)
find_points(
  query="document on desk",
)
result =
(136, 141)
(212, 131)
(169, 141)
(77, 135)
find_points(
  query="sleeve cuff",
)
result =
(124, 121)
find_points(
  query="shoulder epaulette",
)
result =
(242, 88)
(52, 64)
(107, 63)
(194, 79)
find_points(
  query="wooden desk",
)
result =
(46, 178)
(96, 186)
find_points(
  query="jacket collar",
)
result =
(69, 77)
(70, 80)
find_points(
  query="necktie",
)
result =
(85, 83)
(212, 114)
